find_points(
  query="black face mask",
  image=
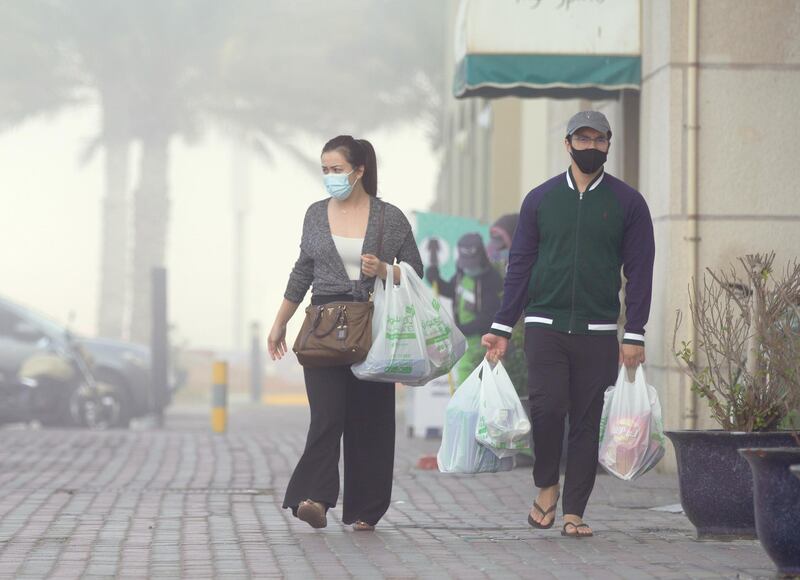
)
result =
(589, 160)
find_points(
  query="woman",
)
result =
(337, 258)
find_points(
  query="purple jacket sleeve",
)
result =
(522, 256)
(638, 256)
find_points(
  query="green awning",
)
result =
(556, 75)
(547, 48)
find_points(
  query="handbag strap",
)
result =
(339, 319)
(380, 230)
(381, 219)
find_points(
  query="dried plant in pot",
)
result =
(745, 364)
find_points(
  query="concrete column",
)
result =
(506, 146)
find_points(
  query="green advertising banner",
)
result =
(437, 236)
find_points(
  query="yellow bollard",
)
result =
(219, 398)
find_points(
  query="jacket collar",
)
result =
(594, 183)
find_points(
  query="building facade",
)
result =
(707, 138)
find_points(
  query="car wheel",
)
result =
(100, 409)
(59, 404)
(114, 401)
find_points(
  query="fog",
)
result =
(180, 112)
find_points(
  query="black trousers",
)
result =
(364, 412)
(568, 375)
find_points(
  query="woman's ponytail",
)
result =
(370, 178)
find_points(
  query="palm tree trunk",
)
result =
(114, 241)
(150, 229)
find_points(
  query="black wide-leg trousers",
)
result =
(364, 413)
(568, 375)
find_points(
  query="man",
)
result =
(475, 290)
(575, 232)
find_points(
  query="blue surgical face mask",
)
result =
(338, 185)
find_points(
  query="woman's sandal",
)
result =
(313, 513)
(362, 526)
(544, 513)
(576, 533)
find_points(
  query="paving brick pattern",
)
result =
(185, 503)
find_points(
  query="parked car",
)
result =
(125, 367)
(47, 374)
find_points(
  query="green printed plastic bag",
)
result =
(414, 339)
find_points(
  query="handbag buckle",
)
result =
(341, 329)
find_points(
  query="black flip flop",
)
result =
(575, 534)
(544, 513)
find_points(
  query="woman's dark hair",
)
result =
(359, 153)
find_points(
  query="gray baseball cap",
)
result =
(592, 119)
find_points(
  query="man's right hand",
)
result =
(495, 346)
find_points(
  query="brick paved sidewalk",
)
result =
(184, 503)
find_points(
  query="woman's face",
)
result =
(335, 162)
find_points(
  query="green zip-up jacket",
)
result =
(566, 256)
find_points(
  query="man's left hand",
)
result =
(632, 355)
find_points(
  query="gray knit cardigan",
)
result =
(321, 265)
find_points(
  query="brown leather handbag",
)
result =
(337, 333)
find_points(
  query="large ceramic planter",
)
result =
(716, 486)
(776, 495)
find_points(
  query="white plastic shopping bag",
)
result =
(414, 339)
(631, 428)
(503, 426)
(398, 348)
(445, 344)
(460, 452)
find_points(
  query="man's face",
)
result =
(587, 138)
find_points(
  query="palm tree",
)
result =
(172, 50)
(96, 45)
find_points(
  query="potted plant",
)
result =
(776, 493)
(776, 499)
(746, 371)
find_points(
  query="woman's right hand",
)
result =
(276, 342)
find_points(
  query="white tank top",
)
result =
(350, 251)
